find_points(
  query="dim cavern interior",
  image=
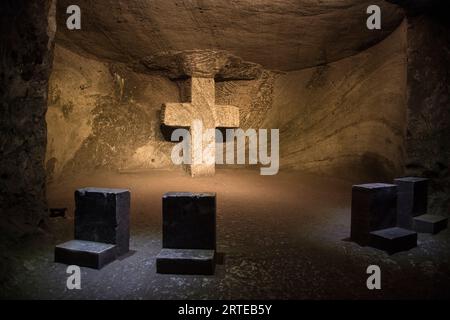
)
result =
(95, 107)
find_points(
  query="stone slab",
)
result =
(85, 253)
(102, 215)
(189, 220)
(185, 261)
(429, 223)
(374, 207)
(412, 199)
(393, 240)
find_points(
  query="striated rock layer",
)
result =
(282, 34)
(347, 118)
(199, 63)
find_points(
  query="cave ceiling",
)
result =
(280, 35)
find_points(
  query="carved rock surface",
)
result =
(282, 34)
(347, 118)
(201, 64)
(428, 130)
(344, 119)
(26, 54)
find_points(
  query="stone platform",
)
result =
(189, 233)
(102, 228)
(85, 253)
(429, 223)
(393, 240)
(186, 261)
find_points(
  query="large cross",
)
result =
(201, 109)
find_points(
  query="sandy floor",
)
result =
(283, 237)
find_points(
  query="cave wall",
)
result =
(347, 118)
(104, 116)
(283, 35)
(26, 45)
(428, 131)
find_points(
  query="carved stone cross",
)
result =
(201, 114)
(199, 111)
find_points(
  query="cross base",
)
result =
(200, 170)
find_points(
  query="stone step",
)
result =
(393, 240)
(85, 253)
(185, 261)
(429, 223)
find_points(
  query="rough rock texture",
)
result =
(200, 63)
(254, 98)
(103, 115)
(347, 118)
(344, 118)
(428, 135)
(26, 47)
(282, 34)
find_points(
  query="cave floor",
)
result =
(283, 237)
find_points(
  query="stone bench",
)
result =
(102, 228)
(412, 199)
(189, 233)
(374, 218)
(430, 223)
(373, 208)
(85, 253)
(412, 206)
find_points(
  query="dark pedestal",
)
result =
(374, 207)
(102, 215)
(189, 220)
(85, 253)
(393, 240)
(429, 223)
(189, 233)
(412, 200)
(102, 228)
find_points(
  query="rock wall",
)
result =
(346, 118)
(104, 116)
(428, 135)
(26, 45)
(284, 35)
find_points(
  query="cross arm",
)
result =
(177, 114)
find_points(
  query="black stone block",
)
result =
(189, 220)
(102, 215)
(429, 223)
(412, 200)
(85, 253)
(374, 207)
(185, 261)
(393, 240)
